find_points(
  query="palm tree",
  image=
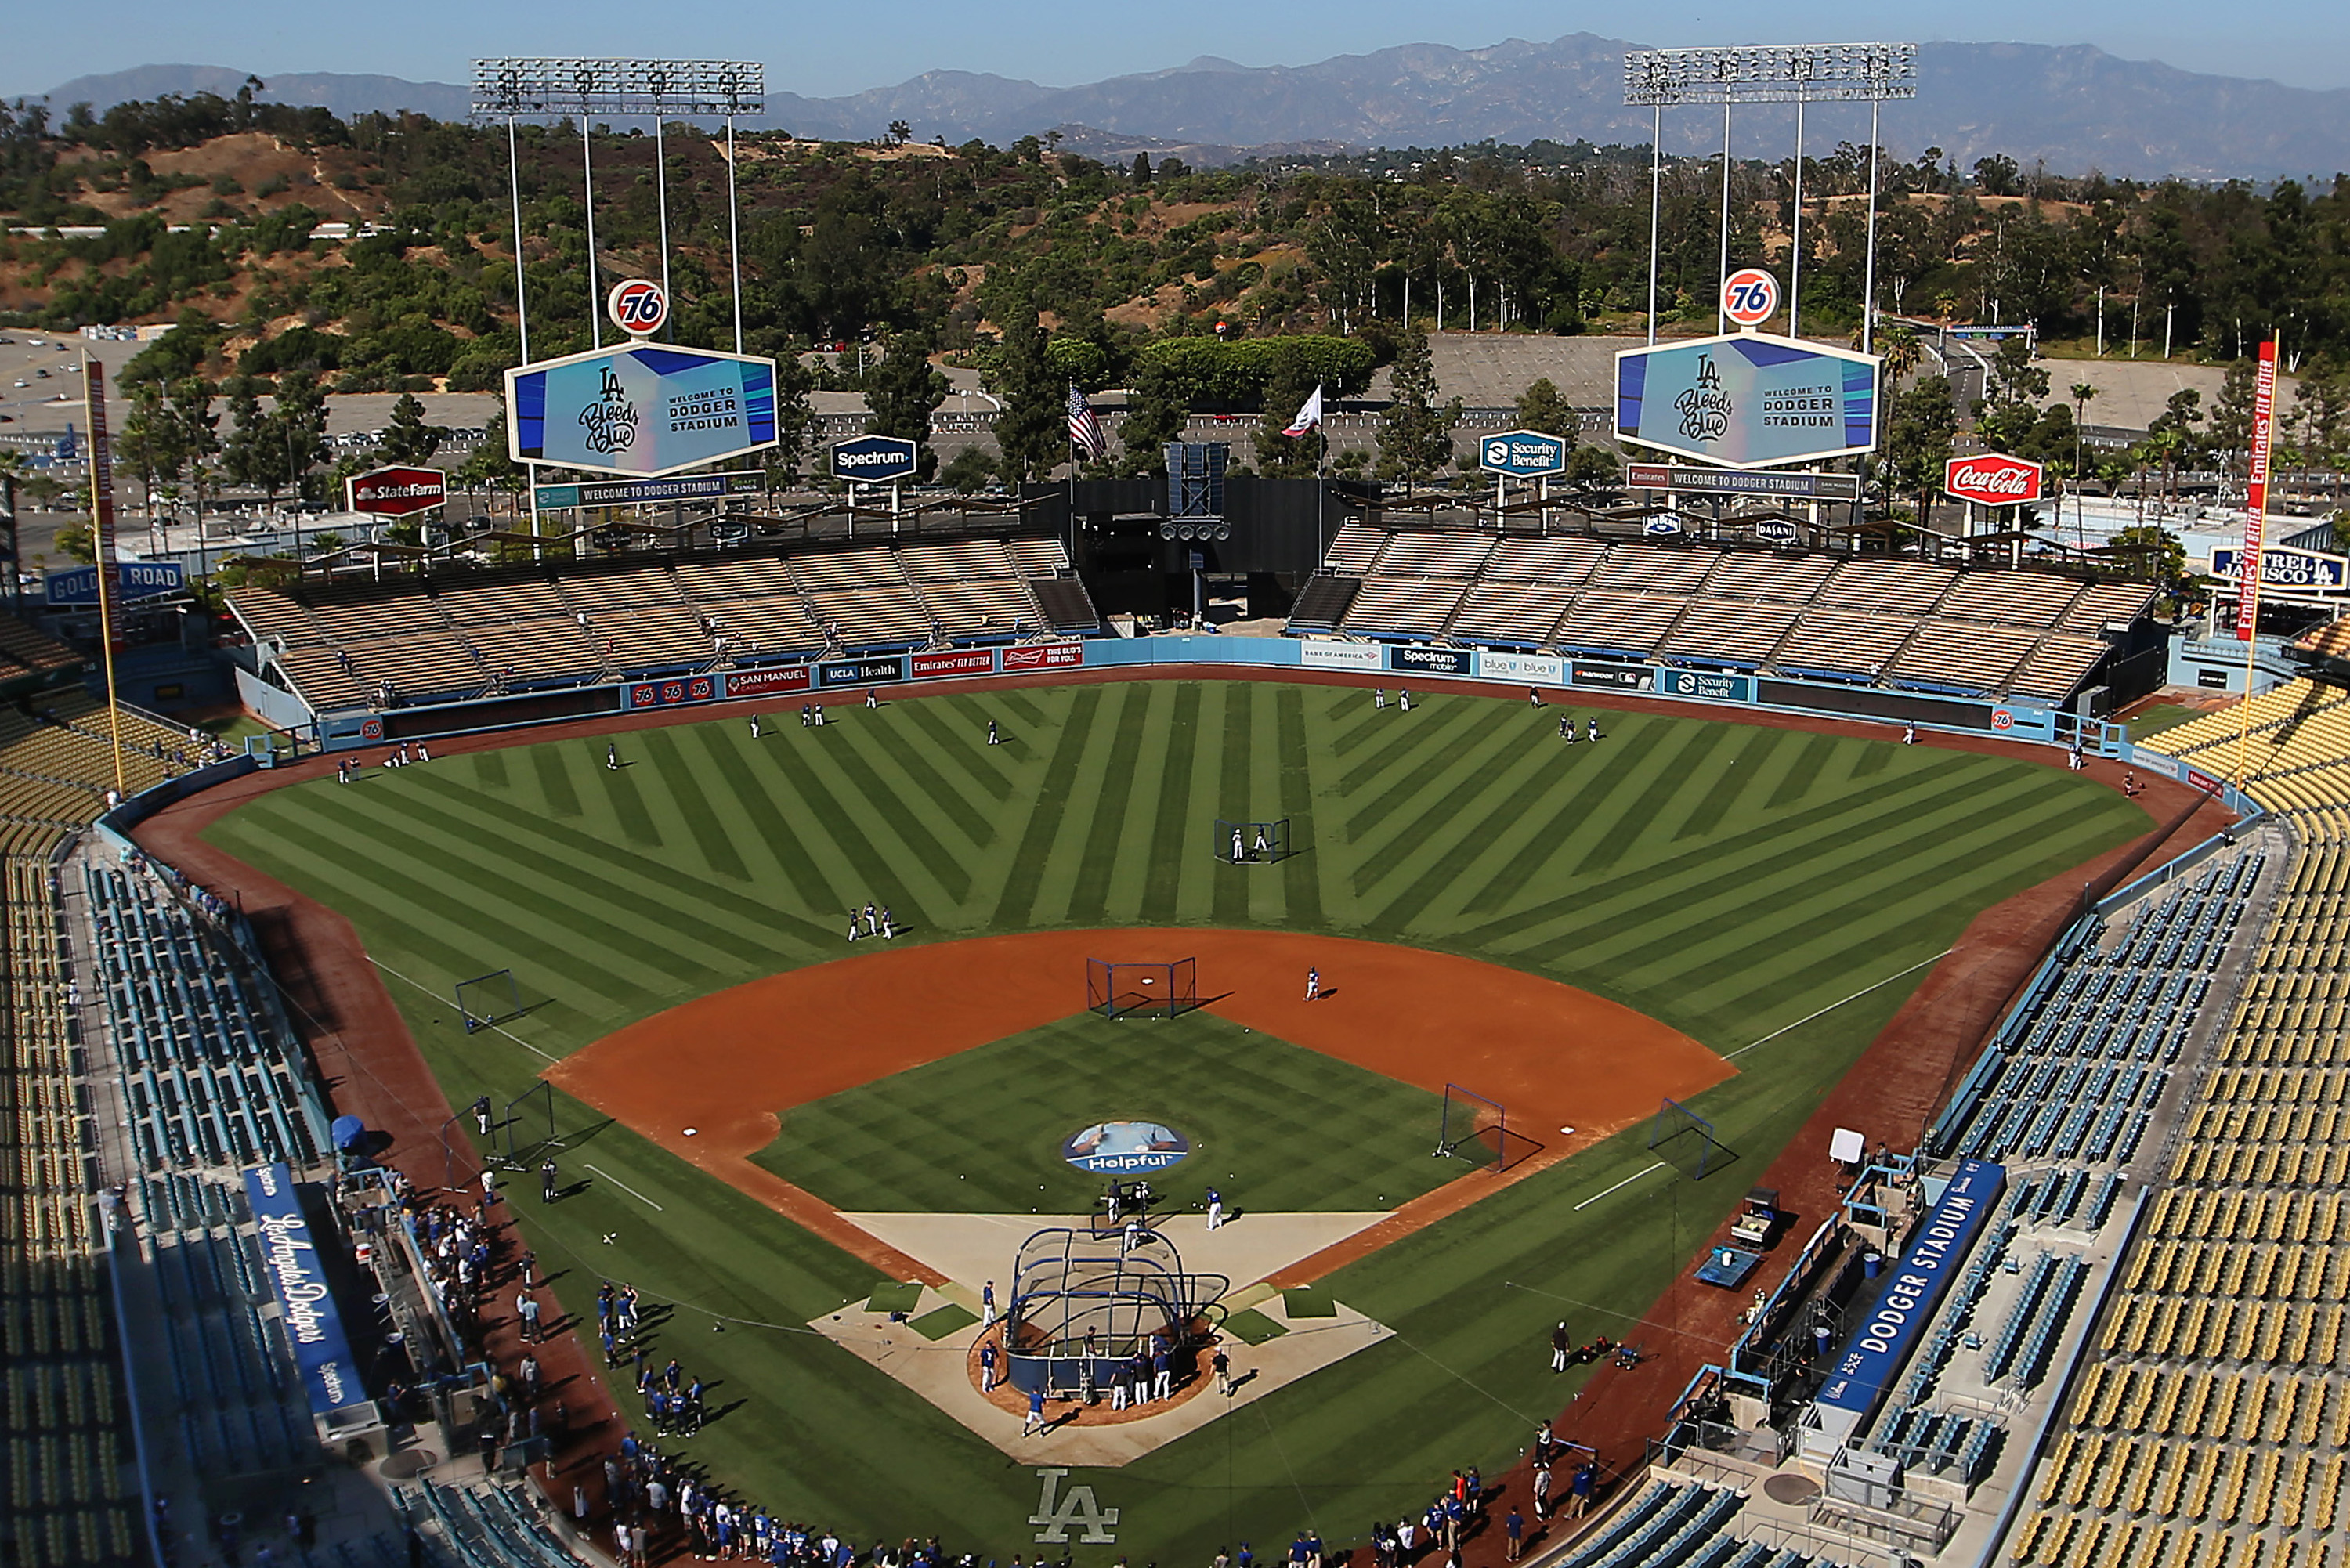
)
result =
(1901, 351)
(2081, 394)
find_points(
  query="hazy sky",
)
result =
(825, 50)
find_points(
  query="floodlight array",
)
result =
(1771, 73)
(515, 86)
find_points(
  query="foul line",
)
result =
(626, 1187)
(1625, 1182)
(499, 1027)
(1832, 1006)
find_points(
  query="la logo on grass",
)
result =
(1057, 1509)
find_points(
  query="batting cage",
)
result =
(1082, 1304)
(1143, 990)
(488, 999)
(1253, 843)
(1474, 1128)
(1684, 1140)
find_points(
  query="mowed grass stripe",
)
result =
(1417, 760)
(922, 778)
(1805, 771)
(917, 866)
(1129, 874)
(626, 802)
(1431, 802)
(887, 791)
(577, 861)
(730, 759)
(446, 922)
(1731, 766)
(1163, 889)
(682, 777)
(1113, 808)
(862, 868)
(527, 885)
(551, 765)
(1301, 874)
(1748, 854)
(1047, 812)
(1688, 909)
(962, 747)
(1642, 816)
(1230, 902)
(1557, 851)
(1436, 856)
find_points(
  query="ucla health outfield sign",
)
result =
(1861, 1375)
(1523, 454)
(289, 1254)
(1747, 400)
(648, 410)
(136, 579)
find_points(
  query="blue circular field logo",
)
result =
(1126, 1149)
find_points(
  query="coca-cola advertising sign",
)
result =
(1993, 479)
(397, 492)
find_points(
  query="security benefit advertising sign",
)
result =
(645, 411)
(1748, 400)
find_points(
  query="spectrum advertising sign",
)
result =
(644, 411)
(1747, 400)
(1993, 479)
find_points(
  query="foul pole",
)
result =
(101, 537)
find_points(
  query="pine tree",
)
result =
(903, 391)
(408, 439)
(1415, 434)
(1032, 431)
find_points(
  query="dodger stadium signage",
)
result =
(1747, 400)
(647, 410)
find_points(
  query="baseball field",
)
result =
(1730, 884)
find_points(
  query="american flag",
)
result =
(1086, 433)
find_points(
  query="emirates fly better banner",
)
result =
(2256, 505)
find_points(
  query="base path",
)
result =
(728, 1064)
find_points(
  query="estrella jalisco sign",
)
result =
(1747, 400)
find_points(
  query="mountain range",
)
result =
(2073, 108)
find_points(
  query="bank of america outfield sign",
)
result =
(1748, 399)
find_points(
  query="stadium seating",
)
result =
(2211, 1420)
(518, 628)
(1866, 619)
(210, 1075)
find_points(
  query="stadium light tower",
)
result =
(1799, 74)
(519, 86)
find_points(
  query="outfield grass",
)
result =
(1730, 880)
(2161, 716)
(1282, 1127)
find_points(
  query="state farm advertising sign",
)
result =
(1045, 656)
(397, 492)
(1993, 479)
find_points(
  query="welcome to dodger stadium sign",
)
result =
(647, 410)
(1747, 400)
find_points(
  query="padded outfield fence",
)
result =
(1143, 990)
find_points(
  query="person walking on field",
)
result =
(1403, 698)
(1567, 728)
(992, 738)
(1236, 845)
(1380, 697)
(1542, 1489)
(1514, 1531)
(1035, 1418)
(612, 755)
(1221, 1365)
(754, 726)
(546, 1174)
(1561, 1345)
(1215, 1210)
(1586, 1476)
(1313, 984)
(873, 697)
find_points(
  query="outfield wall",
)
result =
(1404, 661)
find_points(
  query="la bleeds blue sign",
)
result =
(1747, 400)
(1860, 1376)
(313, 1327)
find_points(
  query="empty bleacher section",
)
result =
(516, 628)
(211, 1074)
(63, 1462)
(1868, 619)
(484, 1525)
(2209, 1425)
(235, 1401)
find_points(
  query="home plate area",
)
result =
(1075, 1273)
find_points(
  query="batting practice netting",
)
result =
(1684, 1140)
(1474, 1128)
(1081, 1304)
(528, 1127)
(1143, 990)
(1253, 843)
(488, 999)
